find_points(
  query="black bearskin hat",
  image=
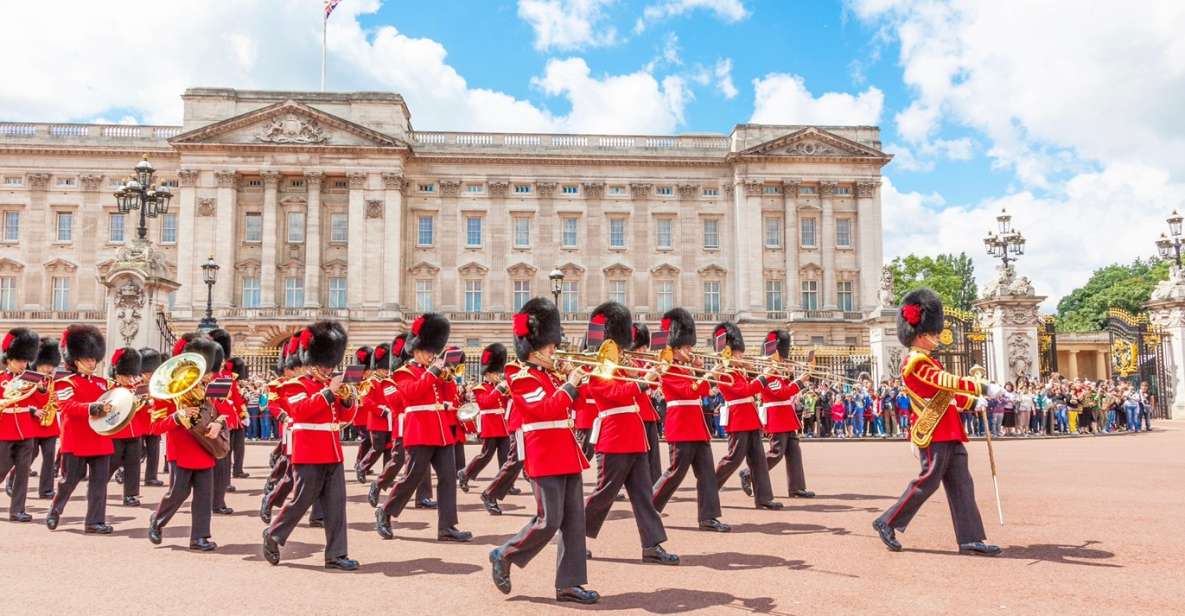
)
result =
(732, 336)
(429, 332)
(222, 337)
(20, 343)
(493, 358)
(323, 344)
(779, 339)
(83, 342)
(920, 313)
(618, 324)
(125, 361)
(206, 347)
(536, 325)
(186, 338)
(150, 360)
(399, 352)
(680, 328)
(239, 367)
(380, 359)
(641, 336)
(291, 352)
(48, 354)
(363, 356)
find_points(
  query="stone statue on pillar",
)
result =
(138, 287)
(882, 331)
(1008, 312)
(1166, 309)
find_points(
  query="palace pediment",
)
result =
(815, 142)
(289, 124)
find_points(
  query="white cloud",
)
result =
(568, 24)
(729, 11)
(905, 160)
(633, 103)
(723, 74)
(785, 99)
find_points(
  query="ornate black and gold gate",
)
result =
(1047, 345)
(1138, 355)
(962, 343)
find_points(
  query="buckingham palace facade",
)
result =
(330, 205)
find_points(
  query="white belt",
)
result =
(763, 410)
(422, 407)
(390, 418)
(738, 401)
(546, 425)
(619, 410)
(17, 411)
(677, 403)
(313, 427)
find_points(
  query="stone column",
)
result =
(187, 208)
(497, 293)
(312, 238)
(790, 206)
(887, 351)
(448, 245)
(224, 240)
(869, 243)
(1100, 363)
(1166, 310)
(1008, 311)
(355, 253)
(827, 244)
(267, 261)
(1072, 367)
(749, 245)
(392, 240)
(37, 294)
(94, 235)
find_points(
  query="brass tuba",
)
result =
(16, 391)
(177, 379)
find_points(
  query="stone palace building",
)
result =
(330, 205)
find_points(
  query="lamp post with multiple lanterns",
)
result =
(138, 193)
(1006, 244)
(1171, 247)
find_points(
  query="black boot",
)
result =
(714, 525)
(658, 555)
(382, 523)
(500, 571)
(887, 534)
(980, 548)
(153, 530)
(372, 496)
(271, 549)
(425, 503)
(342, 563)
(802, 494)
(462, 481)
(491, 505)
(98, 529)
(452, 534)
(20, 516)
(747, 481)
(577, 594)
(202, 545)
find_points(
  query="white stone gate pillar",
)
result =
(1008, 311)
(1166, 309)
(138, 286)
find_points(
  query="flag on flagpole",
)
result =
(329, 6)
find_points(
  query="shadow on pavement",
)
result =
(667, 601)
(1048, 552)
(419, 566)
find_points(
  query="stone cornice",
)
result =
(312, 179)
(90, 182)
(640, 190)
(226, 178)
(393, 181)
(546, 190)
(498, 189)
(449, 188)
(188, 177)
(202, 135)
(357, 181)
(593, 190)
(37, 181)
(271, 179)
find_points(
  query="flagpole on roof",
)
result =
(324, 27)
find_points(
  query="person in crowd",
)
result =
(903, 410)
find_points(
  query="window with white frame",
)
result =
(295, 227)
(474, 188)
(844, 295)
(522, 232)
(424, 230)
(712, 233)
(711, 192)
(65, 226)
(61, 293)
(339, 228)
(843, 190)
(472, 296)
(663, 229)
(473, 231)
(426, 188)
(522, 189)
(522, 293)
(115, 228)
(14, 181)
(843, 232)
(664, 295)
(773, 295)
(253, 227)
(568, 232)
(569, 189)
(255, 183)
(810, 295)
(570, 296)
(12, 226)
(806, 235)
(617, 190)
(7, 292)
(251, 292)
(711, 296)
(337, 292)
(773, 231)
(617, 291)
(65, 181)
(664, 191)
(168, 229)
(424, 296)
(294, 292)
(617, 233)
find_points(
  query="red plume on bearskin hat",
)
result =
(380, 359)
(680, 328)
(292, 359)
(733, 338)
(493, 358)
(618, 325)
(48, 354)
(150, 360)
(83, 342)
(20, 343)
(363, 356)
(536, 325)
(429, 333)
(641, 336)
(777, 340)
(323, 344)
(125, 361)
(921, 313)
(399, 352)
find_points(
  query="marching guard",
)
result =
(491, 397)
(394, 421)
(47, 429)
(685, 428)
(150, 360)
(936, 398)
(551, 455)
(226, 407)
(18, 421)
(127, 445)
(502, 485)
(364, 355)
(781, 421)
(379, 419)
(237, 371)
(279, 483)
(317, 461)
(191, 466)
(641, 344)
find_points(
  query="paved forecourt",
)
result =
(1092, 528)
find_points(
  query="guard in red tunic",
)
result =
(125, 371)
(427, 434)
(150, 360)
(739, 418)
(502, 485)
(620, 439)
(780, 420)
(685, 429)
(394, 420)
(376, 409)
(18, 422)
(49, 355)
(551, 454)
(650, 418)
(364, 357)
(944, 460)
(191, 467)
(288, 385)
(226, 408)
(84, 452)
(585, 412)
(491, 398)
(317, 415)
(237, 371)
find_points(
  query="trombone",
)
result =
(604, 362)
(663, 360)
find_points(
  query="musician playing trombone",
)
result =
(779, 418)
(936, 399)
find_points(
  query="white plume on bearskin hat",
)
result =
(920, 313)
(680, 328)
(20, 343)
(429, 332)
(323, 344)
(536, 325)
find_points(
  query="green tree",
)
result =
(1114, 286)
(951, 276)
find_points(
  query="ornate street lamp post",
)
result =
(557, 285)
(1171, 247)
(1007, 244)
(138, 193)
(209, 276)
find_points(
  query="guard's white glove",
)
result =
(993, 391)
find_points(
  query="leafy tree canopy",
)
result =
(1114, 286)
(952, 277)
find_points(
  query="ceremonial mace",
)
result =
(980, 372)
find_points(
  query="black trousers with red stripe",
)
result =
(785, 445)
(631, 470)
(364, 447)
(499, 445)
(127, 457)
(559, 502)
(654, 455)
(421, 460)
(696, 456)
(376, 448)
(500, 486)
(182, 481)
(746, 446)
(942, 463)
